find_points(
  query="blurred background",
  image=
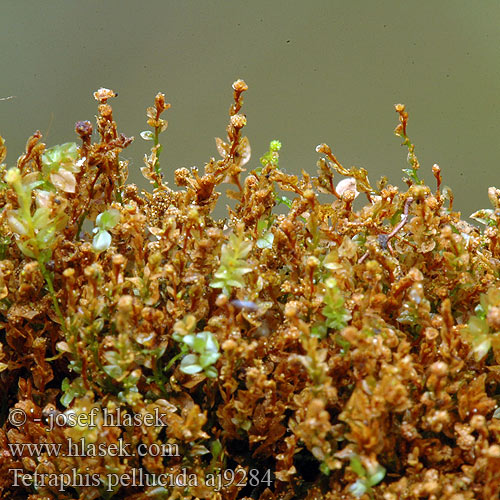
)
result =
(318, 71)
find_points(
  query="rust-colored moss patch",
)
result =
(300, 348)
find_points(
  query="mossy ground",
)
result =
(298, 348)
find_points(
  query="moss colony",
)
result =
(301, 348)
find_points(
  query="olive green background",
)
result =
(318, 71)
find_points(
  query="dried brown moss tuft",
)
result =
(324, 352)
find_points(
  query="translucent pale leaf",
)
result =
(101, 241)
(64, 180)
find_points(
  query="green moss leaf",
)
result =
(108, 219)
(208, 358)
(114, 371)
(485, 216)
(61, 156)
(189, 364)
(147, 135)
(211, 372)
(266, 240)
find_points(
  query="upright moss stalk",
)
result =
(36, 233)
